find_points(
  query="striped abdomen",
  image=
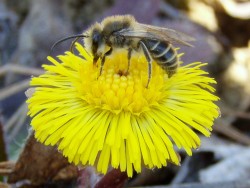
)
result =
(164, 54)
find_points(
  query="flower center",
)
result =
(119, 89)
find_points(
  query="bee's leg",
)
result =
(103, 59)
(73, 43)
(95, 59)
(129, 57)
(149, 59)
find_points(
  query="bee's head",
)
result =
(98, 44)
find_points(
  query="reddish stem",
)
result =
(114, 178)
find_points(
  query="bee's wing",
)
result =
(166, 32)
(158, 33)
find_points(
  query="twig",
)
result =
(226, 129)
(20, 70)
(238, 114)
(19, 123)
(14, 118)
(6, 167)
(3, 154)
(5, 172)
(7, 164)
(14, 88)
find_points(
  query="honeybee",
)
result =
(125, 32)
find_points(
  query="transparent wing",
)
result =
(158, 33)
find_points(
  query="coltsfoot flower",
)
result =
(112, 119)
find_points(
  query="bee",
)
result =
(125, 32)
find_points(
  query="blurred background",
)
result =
(28, 29)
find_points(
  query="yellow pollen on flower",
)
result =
(117, 89)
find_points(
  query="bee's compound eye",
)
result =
(96, 40)
(97, 37)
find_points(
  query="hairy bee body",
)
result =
(125, 32)
(164, 54)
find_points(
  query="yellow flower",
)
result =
(113, 119)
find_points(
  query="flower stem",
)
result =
(115, 178)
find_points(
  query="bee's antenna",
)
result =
(67, 38)
(73, 43)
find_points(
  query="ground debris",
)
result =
(40, 164)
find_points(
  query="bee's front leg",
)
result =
(109, 52)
